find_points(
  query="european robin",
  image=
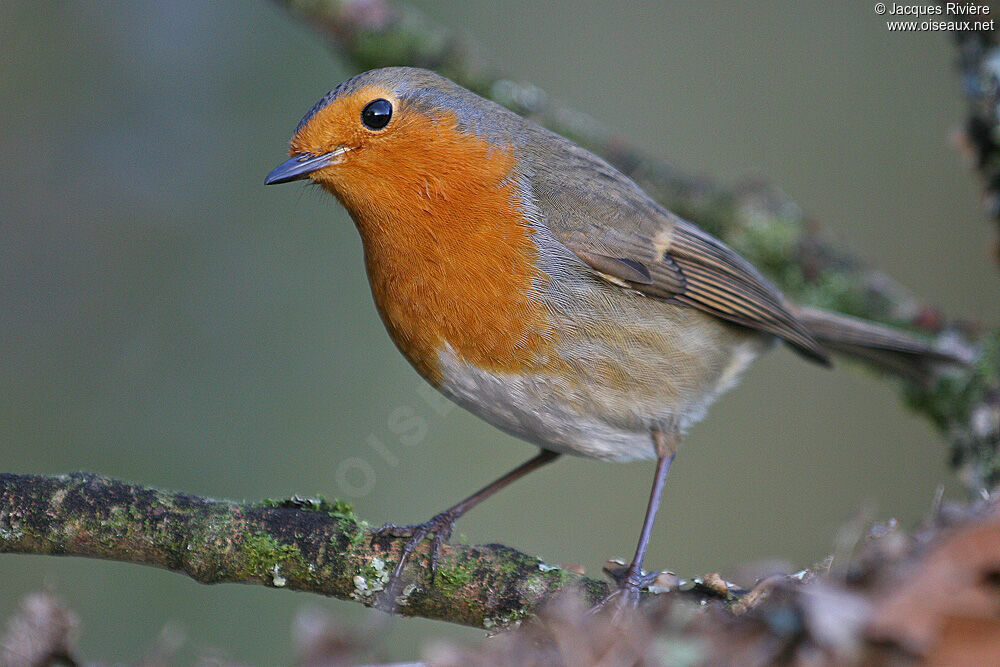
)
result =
(538, 287)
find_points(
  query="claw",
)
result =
(439, 528)
(442, 525)
(631, 580)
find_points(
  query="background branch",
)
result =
(980, 76)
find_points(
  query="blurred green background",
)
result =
(166, 319)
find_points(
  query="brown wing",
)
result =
(722, 283)
(696, 270)
(617, 230)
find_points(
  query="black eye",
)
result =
(376, 114)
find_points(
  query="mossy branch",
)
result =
(298, 544)
(758, 221)
(980, 72)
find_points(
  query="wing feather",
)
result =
(623, 235)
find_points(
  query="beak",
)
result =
(300, 166)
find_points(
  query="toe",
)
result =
(392, 530)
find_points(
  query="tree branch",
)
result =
(298, 544)
(894, 597)
(980, 72)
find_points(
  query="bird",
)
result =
(538, 287)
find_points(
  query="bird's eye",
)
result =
(376, 114)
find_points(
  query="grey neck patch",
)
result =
(478, 116)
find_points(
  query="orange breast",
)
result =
(449, 256)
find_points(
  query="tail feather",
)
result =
(890, 349)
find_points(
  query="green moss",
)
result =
(952, 398)
(516, 562)
(122, 522)
(358, 536)
(264, 554)
(451, 579)
(354, 528)
(558, 577)
(338, 509)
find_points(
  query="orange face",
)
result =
(449, 254)
(337, 129)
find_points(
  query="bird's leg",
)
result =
(632, 580)
(441, 526)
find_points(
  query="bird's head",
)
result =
(398, 138)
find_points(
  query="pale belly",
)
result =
(610, 390)
(538, 410)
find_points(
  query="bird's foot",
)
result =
(631, 580)
(439, 529)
